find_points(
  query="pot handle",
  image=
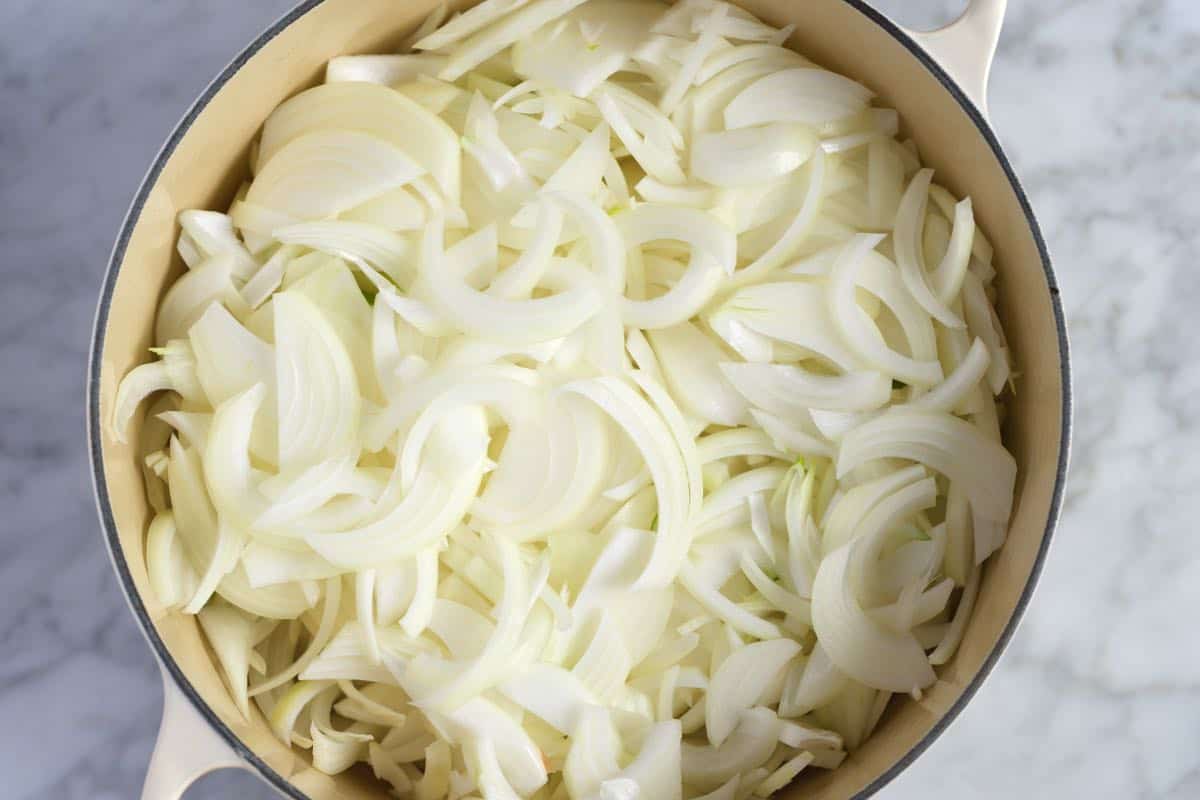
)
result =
(966, 46)
(187, 748)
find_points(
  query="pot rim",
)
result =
(99, 483)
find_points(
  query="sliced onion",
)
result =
(651, 436)
(582, 55)
(369, 109)
(389, 69)
(518, 757)
(739, 682)
(227, 468)
(171, 575)
(486, 42)
(795, 313)
(869, 653)
(723, 608)
(844, 520)
(910, 256)
(951, 393)
(323, 173)
(800, 94)
(949, 274)
(210, 281)
(584, 170)
(520, 279)
(713, 254)
(982, 467)
(693, 58)
(660, 162)
(787, 390)
(749, 156)
(689, 360)
(656, 768)
(380, 246)
(231, 634)
(441, 493)
(176, 371)
(229, 360)
(982, 322)
(318, 395)
(858, 329)
(462, 25)
(750, 744)
(489, 317)
(207, 234)
(606, 248)
(575, 469)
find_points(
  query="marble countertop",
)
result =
(1098, 103)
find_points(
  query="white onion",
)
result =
(383, 69)
(318, 397)
(738, 683)
(801, 94)
(751, 155)
(372, 109)
(957, 449)
(690, 364)
(873, 655)
(910, 257)
(713, 255)
(322, 173)
(209, 281)
(206, 234)
(493, 38)
(552, 416)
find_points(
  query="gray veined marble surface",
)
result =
(1098, 103)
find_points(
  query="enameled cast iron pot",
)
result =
(936, 80)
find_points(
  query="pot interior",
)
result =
(209, 160)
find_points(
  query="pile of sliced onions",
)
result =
(598, 401)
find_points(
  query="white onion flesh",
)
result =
(598, 403)
(802, 94)
(325, 172)
(748, 156)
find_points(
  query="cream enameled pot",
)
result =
(937, 81)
